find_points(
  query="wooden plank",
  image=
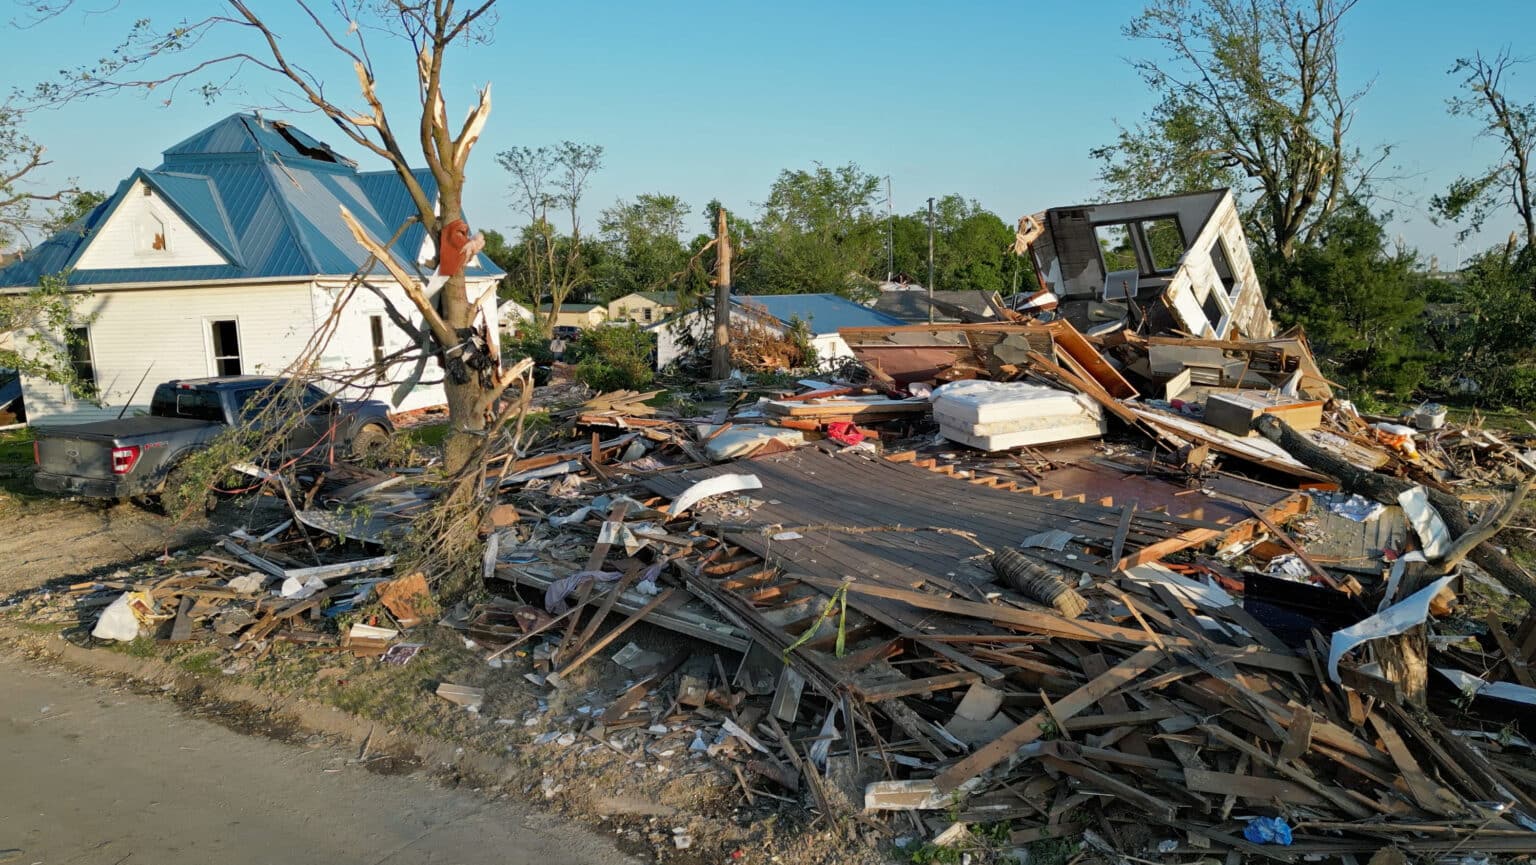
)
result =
(1338, 798)
(999, 749)
(1429, 795)
(612, 635)
(181, 628)
(1507, 646)
(1117, 548)
(1350, 585)
(1261, 790)
(909, 687)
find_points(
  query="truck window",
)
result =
(172, 401)
(249, 402)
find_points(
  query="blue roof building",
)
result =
(225, 259)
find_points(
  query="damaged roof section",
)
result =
(1182, 260)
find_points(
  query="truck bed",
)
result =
(127, 427)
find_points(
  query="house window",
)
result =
(77, 343)
(226, 347)
(376, 331)
(1116, 246)
(153, 238)
(647, 314)
(1164, 242)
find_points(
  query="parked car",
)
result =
(138, 456)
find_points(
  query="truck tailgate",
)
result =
(85, 450)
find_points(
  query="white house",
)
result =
(822, 315)
(225, 260)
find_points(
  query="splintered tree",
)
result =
(179, 57)
(1507, 121)
(1249, 90)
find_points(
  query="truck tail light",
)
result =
(124, 459)
(37, 453)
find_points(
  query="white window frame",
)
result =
(208, 347)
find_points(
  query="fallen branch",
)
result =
(742, 528)
(1470, 542)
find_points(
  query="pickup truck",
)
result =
(132, 457)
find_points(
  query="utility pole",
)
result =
(720, 357)
(890, 233)
(930, 259)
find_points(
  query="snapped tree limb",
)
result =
(1470, 542)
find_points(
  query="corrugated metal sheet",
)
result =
(258, 193)
(823, 313)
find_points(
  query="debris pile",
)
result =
(1168, 596)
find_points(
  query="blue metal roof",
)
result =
(822, 313)
(268, 196)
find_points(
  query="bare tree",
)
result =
(1252, 88)
(21, 159)
(168, 60)
(546, 179)
(1513, 125)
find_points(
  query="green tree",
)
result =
(972, 248)
(1494, 338)
(36, 327)
(819, 232)
(1512, 124)
(644, 246)
(548, 183)
(75, 205)
(1362, 303)
(1249, 90)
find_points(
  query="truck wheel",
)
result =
(370, 443)
(178, 496)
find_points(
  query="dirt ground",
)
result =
(44, 538)
(102, 774)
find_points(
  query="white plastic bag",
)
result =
(119, 621)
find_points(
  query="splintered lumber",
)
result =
(612, 635)
(1386, 490)
(846, 408)
(1074, 703)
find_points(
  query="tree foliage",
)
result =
(1509, 122)
(971, 248)
(35, 333)
(548, 183)
(642, 246)
(1249, 91)
(20, 160)
(819, 232)
(1361, 302)
(1491, 340)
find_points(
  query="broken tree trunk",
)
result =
(1386, 489)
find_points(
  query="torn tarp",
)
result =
(1396, 619)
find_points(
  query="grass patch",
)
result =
(16, 447)
(202, 663)
(430, 435)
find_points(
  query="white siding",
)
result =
(351, 348)
(125, 241)
(165, 333)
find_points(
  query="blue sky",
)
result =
(997, 101)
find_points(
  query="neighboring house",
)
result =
(578, 315)
(643, 307)
(224, 261)
(913, 307)
(510, 314)
(1185, 253)
(822, 315)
